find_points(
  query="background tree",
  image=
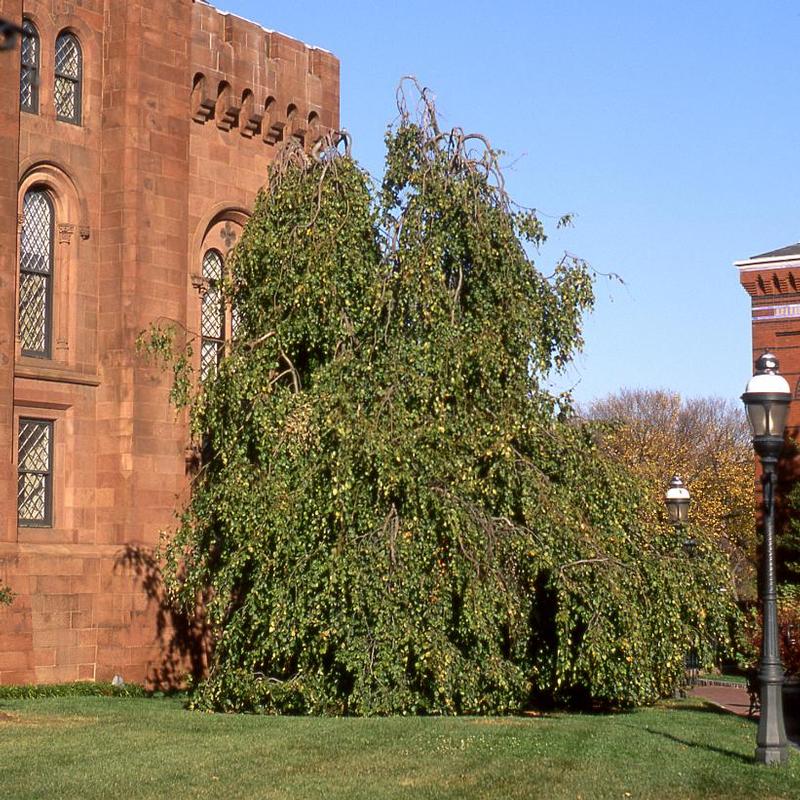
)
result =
(707, 441)
(788, 541)
(787, 557)
(393, 515)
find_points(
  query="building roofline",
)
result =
(262, 27)
(760, 263)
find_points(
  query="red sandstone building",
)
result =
(134, 135)
(773, 282)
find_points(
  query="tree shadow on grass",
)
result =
(710, 708)
(710, 748)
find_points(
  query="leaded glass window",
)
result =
(236, 322)
(29, 69)
(68, 78)
(36, 274)
(35, 473)
(212, 314)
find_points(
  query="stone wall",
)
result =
(183, 107)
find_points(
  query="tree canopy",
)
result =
(393, 514)
(656, 434)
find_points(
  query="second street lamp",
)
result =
(677, 500)
(766, 399)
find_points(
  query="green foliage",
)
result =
(788, 630)
(393, 515)
(6, 595)
(788, 541)
(787, 555)
(75, 689)
(161, 343)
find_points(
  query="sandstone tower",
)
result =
(134, 135)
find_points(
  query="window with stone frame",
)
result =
(35, 473)
(68, 78)
(212, 314)
(36, 274)
(29, 68)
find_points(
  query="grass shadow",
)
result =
(710, 748)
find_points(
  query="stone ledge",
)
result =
(37, 373)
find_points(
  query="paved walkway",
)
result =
(734, 698)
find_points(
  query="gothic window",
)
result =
(36, 274)
(69, 70)
(29, 69)
(212, 314)
(35, 473)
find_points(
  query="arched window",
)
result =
(36, 274)
(212, 314)
(69, 70)
(29, 69)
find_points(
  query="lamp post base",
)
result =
(772, 746)
(772, 755)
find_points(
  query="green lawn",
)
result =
(126, 749)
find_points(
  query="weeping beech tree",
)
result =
(393, 514)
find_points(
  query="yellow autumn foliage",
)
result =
(706, 441)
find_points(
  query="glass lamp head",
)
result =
(677, 500)
(766, 399)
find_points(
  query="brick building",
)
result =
(773, 282)
(134, 135)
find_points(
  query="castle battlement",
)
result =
(259, 83)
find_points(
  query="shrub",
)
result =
(788, 630)
(75, 689)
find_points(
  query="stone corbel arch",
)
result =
(202, 104)
(250, 117)
(272, 125)
(228, 107)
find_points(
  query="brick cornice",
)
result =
(771, 280)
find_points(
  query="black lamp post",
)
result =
(8, 34)
(766, 399)
(677, 500)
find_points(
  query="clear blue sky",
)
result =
(671, 130)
